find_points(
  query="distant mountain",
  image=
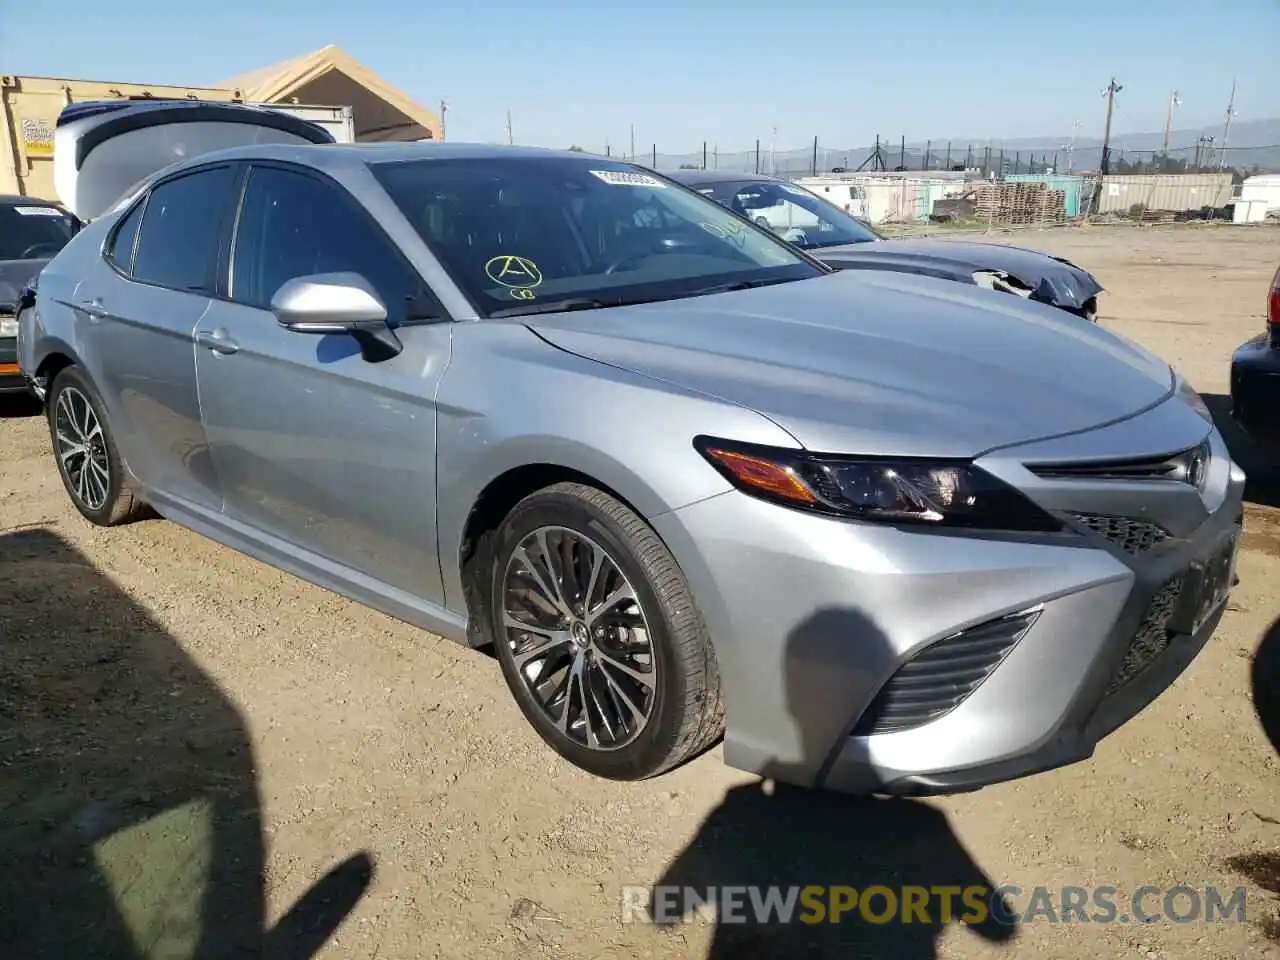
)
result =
(1253, 143)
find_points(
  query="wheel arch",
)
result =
(56, 356)
(489, 508)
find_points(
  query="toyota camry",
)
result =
(883, 532)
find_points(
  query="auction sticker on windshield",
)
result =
(622, 178)
(513, 271)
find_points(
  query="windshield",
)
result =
(520, 234)
(34, 232)
(793, 213)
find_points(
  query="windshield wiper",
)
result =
(554, 306)
(739, 285)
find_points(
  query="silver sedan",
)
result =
(884, 532)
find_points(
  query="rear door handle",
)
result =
(217, 341)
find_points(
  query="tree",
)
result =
(576, 149)
(689, 166)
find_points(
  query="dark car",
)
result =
(31, 232)
(814, 224)
(1255, 375)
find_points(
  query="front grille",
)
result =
(1129, 534)
(1152, 636)
(1178, 466)
(942, 675)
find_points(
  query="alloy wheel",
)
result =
(81, 449)
(579, 638)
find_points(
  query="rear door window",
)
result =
(121, 251)
(178, 240)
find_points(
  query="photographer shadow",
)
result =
(792, 837)
(130, 820)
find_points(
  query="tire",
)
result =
(664, 702)
(104, 502)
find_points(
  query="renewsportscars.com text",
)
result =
(1008, 904)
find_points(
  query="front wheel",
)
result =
(599, 638)
(88, 460)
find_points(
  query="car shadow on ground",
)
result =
(766, 835)
(1259, 460)
(130, 821)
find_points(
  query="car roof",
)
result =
(716, 176)
(373, 153)
(13, 200)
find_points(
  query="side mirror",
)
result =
(337, 303)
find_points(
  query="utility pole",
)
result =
(928, 149)
(815, 156)
(902, 153)
(1075, 129)
(1168, 123)
(1226, 129)
(757, 154)
(444, 108)
(632, 155)
(704, 154)
(509, 140)
(773, 159)
(1112, 89)
(715, 156)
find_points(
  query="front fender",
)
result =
(509, 399)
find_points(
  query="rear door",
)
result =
(314, 446)
(103, 148)
(137, 309)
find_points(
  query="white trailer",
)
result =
(339, 121)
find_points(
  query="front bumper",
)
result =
(812, 617)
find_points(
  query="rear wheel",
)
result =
(599, 639)
(88, 460)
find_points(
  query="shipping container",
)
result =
(1177, 192)
(29, 108)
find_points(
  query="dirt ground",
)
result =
(208, 757)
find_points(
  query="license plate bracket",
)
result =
(1205, 589)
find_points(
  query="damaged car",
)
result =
(813, 224)
(31, 232)
(883, 532)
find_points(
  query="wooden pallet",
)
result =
(1019, 203)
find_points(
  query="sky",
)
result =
(584, 72)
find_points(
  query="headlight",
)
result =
(1192, 399)
(8, 325)
(942, 493)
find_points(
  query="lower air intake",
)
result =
(1151, 638)
(942, 676)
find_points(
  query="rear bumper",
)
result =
(11, 378)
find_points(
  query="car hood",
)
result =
(1054, 281)
(875, 362)
(16, 274)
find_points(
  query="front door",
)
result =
(314, 446)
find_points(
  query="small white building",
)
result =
(1264, 186)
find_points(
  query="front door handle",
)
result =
(93, 308)
(217, 341)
